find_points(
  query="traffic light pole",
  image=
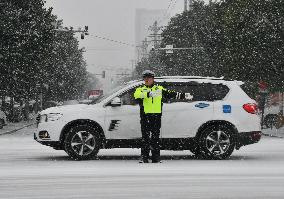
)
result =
(71, 29)
(103, 74)
(170, 49)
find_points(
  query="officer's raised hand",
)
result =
(155, 93)
(188, 96)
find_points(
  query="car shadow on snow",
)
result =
(243, 157)
(117, 157)
(137, 157)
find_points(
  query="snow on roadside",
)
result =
(274, 132)
(12, 127)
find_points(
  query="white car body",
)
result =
(180, 120)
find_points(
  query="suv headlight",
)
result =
(50, 117)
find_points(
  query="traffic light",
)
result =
(103, 74)
(84, 32)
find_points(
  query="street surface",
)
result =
(30, 170)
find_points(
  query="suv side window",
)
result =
(127, 98)
(212, 92)
(200, 91)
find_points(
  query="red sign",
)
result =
(262, 85)
(95, 92)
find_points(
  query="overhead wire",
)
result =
(133, 45)
(165, 13)
(129, 44)
(113, 40)
(161, 19)
(104, 49)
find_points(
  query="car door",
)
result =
(182, 118)
(123, 122)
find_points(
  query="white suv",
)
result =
(220, 118)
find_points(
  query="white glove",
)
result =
(155, 93)
(188, 96)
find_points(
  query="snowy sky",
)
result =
(114, 19)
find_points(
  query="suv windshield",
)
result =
(103, 97)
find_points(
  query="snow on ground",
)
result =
(30, 170)
(10, 127)
(274, 132)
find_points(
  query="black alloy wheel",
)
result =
(82, 142)
(217, 142)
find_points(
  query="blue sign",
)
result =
(227, 109)
(202, 105)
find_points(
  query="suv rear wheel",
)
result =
(82, 142)
(217, 142)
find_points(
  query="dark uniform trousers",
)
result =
(150, 128)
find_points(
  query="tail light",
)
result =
(250, 108)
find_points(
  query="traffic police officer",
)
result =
(151, 97)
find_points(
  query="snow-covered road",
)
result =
(30, 170)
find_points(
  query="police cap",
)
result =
(148, 73)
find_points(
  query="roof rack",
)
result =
(189, 77)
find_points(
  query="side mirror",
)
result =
(115, 102)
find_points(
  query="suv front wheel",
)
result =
(217, 142)
(82, 142)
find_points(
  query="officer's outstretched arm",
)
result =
(176, 95)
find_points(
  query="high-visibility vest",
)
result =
(150, 104)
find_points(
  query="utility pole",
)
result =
(153, 56)
(144, 47)
(132, 68)
(155, 28)
(189, 4)
(142, 50)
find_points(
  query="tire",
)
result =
(217, 142)
(2, 123)
(82, 142)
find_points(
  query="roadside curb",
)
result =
(275, 136)
(15, 130)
